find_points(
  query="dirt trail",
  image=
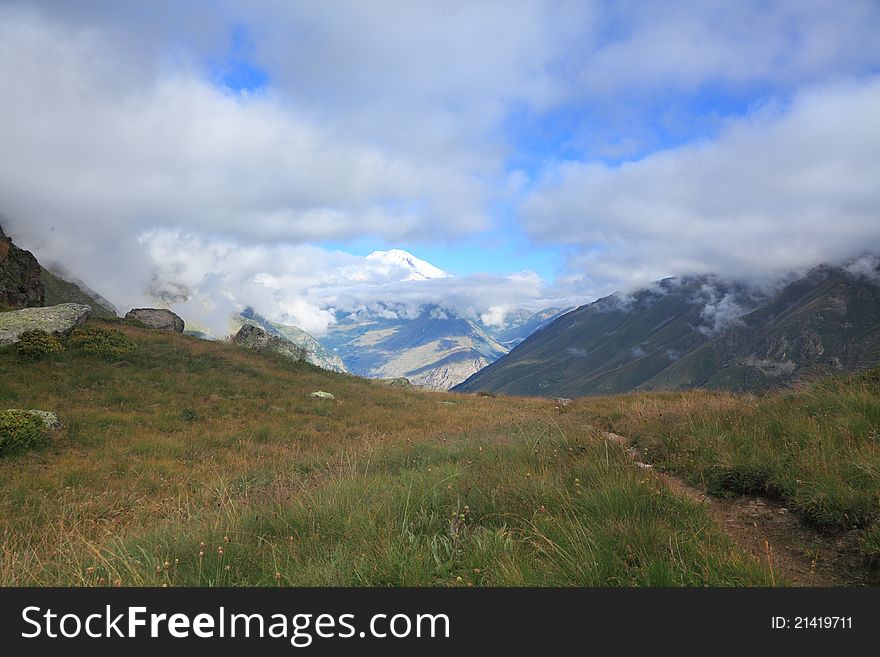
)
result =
(799, 555)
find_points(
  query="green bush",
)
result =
(19, 430)
(104, 342)
(36, 344)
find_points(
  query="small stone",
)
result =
(320, 394)
(783, 511)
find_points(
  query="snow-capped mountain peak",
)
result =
(416, 269)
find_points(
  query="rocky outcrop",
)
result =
(397, 382)
(157, 318)
(314, 352)
(58, 320)
(20, 284)
(253, 337)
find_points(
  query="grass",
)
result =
(816, 447)
(187, 462)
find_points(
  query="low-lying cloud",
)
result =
(209, 280)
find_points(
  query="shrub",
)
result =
(19, 430)
(36, 344)
(104, 342)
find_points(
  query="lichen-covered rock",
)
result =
(253, 337)
(57, 320)
(49, 419)
(157, 318)
(20, 429)
(20, 284)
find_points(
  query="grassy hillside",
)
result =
(816, 448)
(189, 462)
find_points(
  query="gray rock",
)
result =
(253, 337)
(157, 318)
(59, 320)
(50, 420)
(320, 394)
(20, 284)
(398, 382)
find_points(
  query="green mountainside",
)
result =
(698, 331)
(59, 290)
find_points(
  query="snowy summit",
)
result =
(415, 269)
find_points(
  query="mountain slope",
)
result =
(25, 282)
(437, 349)
(59, 290)
(697, 331)
(316, 353)
(828, 321)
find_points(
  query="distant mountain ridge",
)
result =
(700, 331)
(435, 349)
(530, 322)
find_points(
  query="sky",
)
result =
(214, 154)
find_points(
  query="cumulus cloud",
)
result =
(128, 159)
(93, 159)
(785, 187)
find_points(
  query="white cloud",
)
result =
(92, 158)
(786, 187)
(393, 122)
(865, 266)
(210, 280)
(719, 311)
(663, 46)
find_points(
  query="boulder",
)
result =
(399, 382)
(20, 283)
(57, 320)
(320, 394)
(156, 318)
(253, 337)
